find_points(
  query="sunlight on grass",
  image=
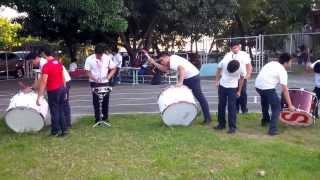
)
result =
(141, 147)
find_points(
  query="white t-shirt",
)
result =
(190, 69)
(117, 59)
(43, 61)
(230, 80)
(271, 75)
(242, 56)
(99, 68)
(66, 75)
(316, 75)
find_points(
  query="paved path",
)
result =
(142, 98)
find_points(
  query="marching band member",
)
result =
(237, 54)
(53, 80)
(188, 75)
(229, 78)
(269, 77)
(100, 69)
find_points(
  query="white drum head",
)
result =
(181, 113)
(21, 119)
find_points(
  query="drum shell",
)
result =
(26, 103)
(305, 103)
(173, 97)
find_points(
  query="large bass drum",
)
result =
(24, 115)
(305, 103)
(177, 106)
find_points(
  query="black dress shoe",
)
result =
(206, 123)
(273, 133)
(219, 127)
(231, 131)
(53, 135)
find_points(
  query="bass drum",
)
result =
(177, 106)
(305, 103)
(24, 115)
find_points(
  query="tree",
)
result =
(9, 34)
(150, 22)
(72, 21)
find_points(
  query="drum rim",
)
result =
(23, 107)
(299, 111)
(162, 113)
(299, 89)
(187, 102)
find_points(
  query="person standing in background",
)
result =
(117, 59)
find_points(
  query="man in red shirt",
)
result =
(52, 79)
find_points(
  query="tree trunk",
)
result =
(241, 28)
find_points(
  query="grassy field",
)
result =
(141, 147)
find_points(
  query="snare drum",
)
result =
(305, 103)
(177, 106)
(23, 114)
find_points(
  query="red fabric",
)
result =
(55, 74)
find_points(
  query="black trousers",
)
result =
(105, 103)
(56, 106)
(317, 91)
(242, 100)
(227, 95)
(269, 97)
(67, 109)
(194, 84)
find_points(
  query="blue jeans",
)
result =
(269, 97)
(194, 84)
(56, 106)
(227, 95)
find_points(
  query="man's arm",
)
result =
(181, 74)
(157, 65)
(248, 70)
(240, 85)
(89, 74)
(285, 92)
(111, 73)
(218, 76)
(42, 87)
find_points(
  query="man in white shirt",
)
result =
(117, 59)
(188, 75)
(244, 58)
(229, 78)
(100, 69)
(269, 77)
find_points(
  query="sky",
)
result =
(9, 13)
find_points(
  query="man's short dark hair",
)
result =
(234, 43)
(284, 58)
(32, 56)
(47, 50)
(163, 54)
(233, 66)
(316, 67)
(99, 49)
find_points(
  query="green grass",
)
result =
(141, 147)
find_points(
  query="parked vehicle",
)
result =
(11, 62)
